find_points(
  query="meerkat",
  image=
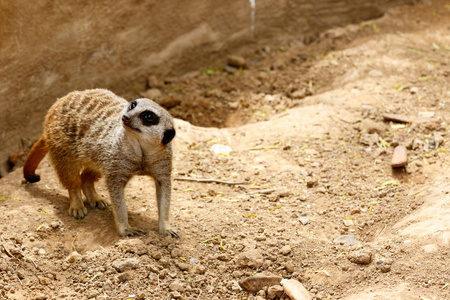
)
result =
(95, 133)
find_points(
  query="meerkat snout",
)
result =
(169, 134)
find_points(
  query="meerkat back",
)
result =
(95, 133)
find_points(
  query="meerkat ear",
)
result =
(169, 134)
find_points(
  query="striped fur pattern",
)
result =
(94, 133)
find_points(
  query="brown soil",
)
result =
(307, 136)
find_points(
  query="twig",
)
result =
(33, 262)
(6, 250)
(159, 284)
(266, 191)
(73, 243)
(19, 279)
(210, 180)
(345, 121)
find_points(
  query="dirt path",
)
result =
(321, 203)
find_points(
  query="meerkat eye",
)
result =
(132, 105)
(149, 118)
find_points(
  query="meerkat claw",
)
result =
(172, 233)
(78, 213)
(132, 231)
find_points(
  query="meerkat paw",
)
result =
(169, 231)
(99, 203)
(78, 212)
(131, 231)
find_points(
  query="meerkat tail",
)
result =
(37, 153)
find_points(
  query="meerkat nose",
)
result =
(125, 118)
(169, 134)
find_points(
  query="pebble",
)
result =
(383, 264)
(345, 240)
(355, 211)
(132, 246)
(74, 257)
(236, 61)
(311, 182)
(399, 157)
(40, 296)
(177, 286)
(362, 257)
(44, 280)
(348, 222)
(304, 219)
(286, 250)
(125, 264)
(153, 94)
(275, 291)
(183, 266)
(175, 295)
(252, 258)
(108, 285)
(124, 277)
(193, 261)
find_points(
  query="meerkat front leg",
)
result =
(116, 190)
(163, 195)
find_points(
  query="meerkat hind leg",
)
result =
(88, 178)
(70, 179)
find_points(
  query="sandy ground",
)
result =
(318, 200)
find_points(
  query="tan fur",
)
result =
(95, 133)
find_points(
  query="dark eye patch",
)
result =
(132, 105)
(149, 118)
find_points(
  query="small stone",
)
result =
(304, 219)
(108, 285)
(156, 254)
(397, 118)
(414, 90)
(399, 157)
(345, 240)
(40, 296)
(177, 286)
(175, 295)
(348, 222)
(230, 69)
(193, 261)
(290, 268)
(74, 257)
(275, 291)
(125, 264)
(44, 280)
(20, 274)
(355, 211)
(199, 269)
(362, 257)
(169, 102)
(132, 246)
(285, 250)
(311, 182)
(369, 139)
(236, 61)
(252, 258)
(124, 277)
(153, 82)
(223, 257)
(383, 264)
(183, 266)
(299, 94)
(152, 94)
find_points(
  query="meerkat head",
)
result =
(148, 121)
